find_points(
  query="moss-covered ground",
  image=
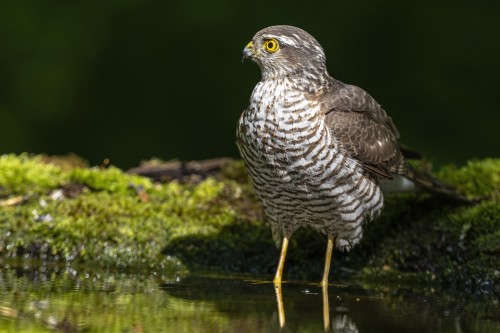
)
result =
(64, 213)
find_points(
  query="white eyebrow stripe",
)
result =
(288, 41)
(283, 39)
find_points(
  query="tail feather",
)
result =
(410, 179)
(429, 183)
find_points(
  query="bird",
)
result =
(318, 151)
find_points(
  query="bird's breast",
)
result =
(282, 130)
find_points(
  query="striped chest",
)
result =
(283, 131)
(286, 145)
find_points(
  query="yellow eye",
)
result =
(271, 45)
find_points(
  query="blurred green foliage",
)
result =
(129, 80)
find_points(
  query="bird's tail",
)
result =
(415, 179)
(428, 182)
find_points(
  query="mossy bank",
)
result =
(52, 213)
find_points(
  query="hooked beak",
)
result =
(248, 52)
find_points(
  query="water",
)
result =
(65, 300)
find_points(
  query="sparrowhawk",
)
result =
(316, 149)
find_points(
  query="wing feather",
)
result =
(361, 127)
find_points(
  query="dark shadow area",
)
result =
(419, 235)
(249, 249)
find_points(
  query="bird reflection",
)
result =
(341, 323)
(281, 309)
(326, 308)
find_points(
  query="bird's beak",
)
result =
(248, 52)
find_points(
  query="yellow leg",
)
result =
(281, 263)
(328, 259)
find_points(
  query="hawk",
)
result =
(317, 149)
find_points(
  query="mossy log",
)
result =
(52, 211)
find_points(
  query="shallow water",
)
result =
(69, 301)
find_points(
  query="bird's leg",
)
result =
(281, 263)
(328, 259)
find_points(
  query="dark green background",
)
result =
(130, 79)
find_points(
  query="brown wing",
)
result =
(362, 128)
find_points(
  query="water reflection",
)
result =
(70, 300)
(341, 323)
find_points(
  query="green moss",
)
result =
(121, 220)
(478, 179)
(27, 175)
(110, 179)
(125, 221)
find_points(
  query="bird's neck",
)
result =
(311, 81)
(279, 97)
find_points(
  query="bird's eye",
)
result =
(271, 45)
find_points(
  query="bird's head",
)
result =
(284, 50)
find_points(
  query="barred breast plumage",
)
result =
(314, 147)
(301, 177)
